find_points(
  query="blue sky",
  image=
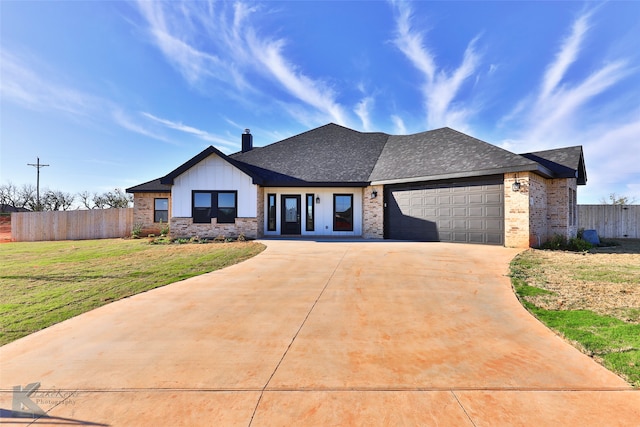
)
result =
(113, 93)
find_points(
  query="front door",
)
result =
(290, 222)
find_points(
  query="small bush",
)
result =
(560, 243)
(136, 230)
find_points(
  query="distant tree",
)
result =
(9, 195)
(27, 196)
(55, 200)
(86, 199)
(117, 199)
(616, 199)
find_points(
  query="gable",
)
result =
(565, 162)
(209, 151)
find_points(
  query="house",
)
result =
(439, 185)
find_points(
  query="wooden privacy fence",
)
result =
(71, 225)
(611, 221)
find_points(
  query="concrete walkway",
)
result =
(319, 333)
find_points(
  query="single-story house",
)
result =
(439, 185)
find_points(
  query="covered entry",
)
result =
(465, 211)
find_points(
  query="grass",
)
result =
(43, 283)
(564, 291)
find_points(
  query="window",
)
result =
(343, 212)
(161, 210)
(214, 204)
(572, 207)
(226, 207)
(271, 212)
(310, 217)
(202, 208)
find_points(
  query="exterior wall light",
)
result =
(374, 194)
(317, 199)
(515, 186)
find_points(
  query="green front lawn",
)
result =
(43, 283)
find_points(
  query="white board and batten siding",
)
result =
(213, 174)
(323, 211)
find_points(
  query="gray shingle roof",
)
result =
(330, 154)
(153, 186)
(441, 154)
(333, 155)
(565, 162)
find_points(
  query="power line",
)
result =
(38, 166)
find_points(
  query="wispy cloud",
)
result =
(125, 121)
(233, 52)
(563, 111)
(363, 111)
(206, 136)
(24, 82)
(23, 85)
(566, 56)
(440, 87)
(552, 112)
(398, 125)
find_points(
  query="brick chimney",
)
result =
(247, 141)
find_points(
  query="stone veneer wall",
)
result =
(143, 208)
(373, 213)
(185, 228)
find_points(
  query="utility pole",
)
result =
(38, 166)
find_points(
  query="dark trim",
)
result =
(153, 186)
(310, 201)
(272, 215)
(168, 179)
(213, 209)
(155, 211)
(303, 184)
(296, 229)
(335, 214)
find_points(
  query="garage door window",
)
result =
(343, 212)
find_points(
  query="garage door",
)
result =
(452, 211)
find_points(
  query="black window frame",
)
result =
(335, 213)
(309, 223)
(271, 212)
(200, 215)
(227, 214)
(157, 211)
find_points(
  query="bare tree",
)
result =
(86, 199)
(55, 200)
(117, 199)
(616, 199)
(27, 196)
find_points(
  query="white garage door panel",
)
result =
(454, 211)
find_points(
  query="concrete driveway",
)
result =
(319, 333)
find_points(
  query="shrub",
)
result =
(136, 230)
(559, 243)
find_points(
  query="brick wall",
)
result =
(184, 228)
(143, 208)
(260, 213)
(538, 203)
(538, 211)
(558, 196)
(373, 213)
(516, 211)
